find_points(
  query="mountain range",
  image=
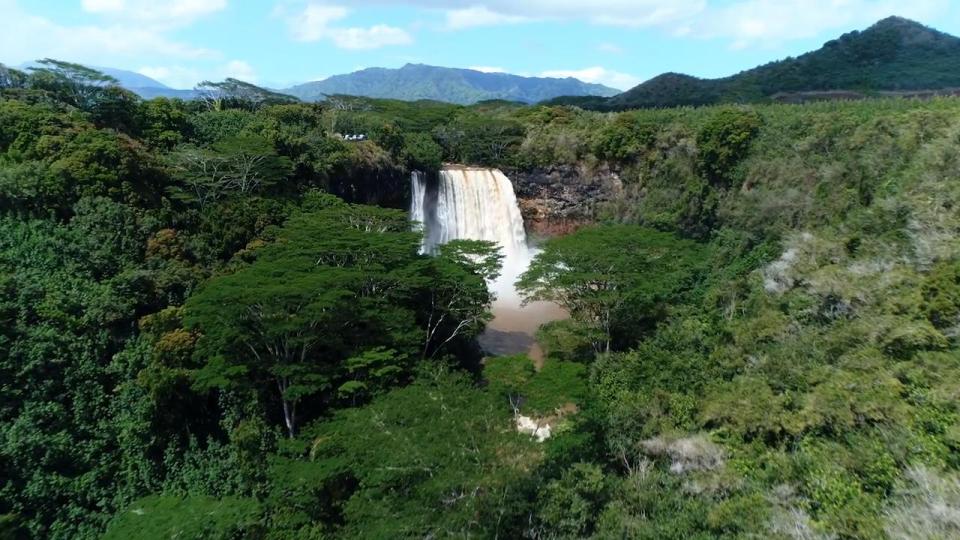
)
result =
(463, 86)
(410, 83)
(144, 86)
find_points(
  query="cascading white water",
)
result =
(418, 191)
(480, 204)
(474, 204)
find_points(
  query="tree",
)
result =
(116, 108)
(12, 78)
(163, 517)
(458, 300)
(570, 504)
(440, 443)
(270, 323)
(164, 123)
(333, 304)
(74, 84)
(606, 276)
(240, 164)
(421, 152)
(236, 93)
(724, 141)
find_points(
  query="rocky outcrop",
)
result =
(561, 199)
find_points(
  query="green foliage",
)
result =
(626, 138)
(941, 295)
(233, 93)
(724, 141)
(569, 505)
(612, 279)
(555, 389)
(440, 444)
(243, 165)
(332, 308)
(161, 517)
(421, 152)
(74, 84)
(11, 78)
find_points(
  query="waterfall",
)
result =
(418, 192)
(473, 204)
(480, 204)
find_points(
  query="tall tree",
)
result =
(74, 84)
(458, 304)
(605, 276)
(236, 93)
(12, 78)
(334, 304)
(241, 164)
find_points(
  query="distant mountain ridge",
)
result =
(132, 79)
(144, 86)
(894, 55)
(462, 86)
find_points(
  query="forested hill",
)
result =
(894, 55)
(463, 86)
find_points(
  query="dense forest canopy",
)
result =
(215, 323)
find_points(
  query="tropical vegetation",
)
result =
(215, 323)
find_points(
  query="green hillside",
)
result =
(893, 55)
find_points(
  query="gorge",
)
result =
(480, 204)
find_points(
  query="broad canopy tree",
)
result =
(611, 278)
(237, 93)
(240, 164)
(75, 84)
(334, 309)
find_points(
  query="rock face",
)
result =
(559, 200)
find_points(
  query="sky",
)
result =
(277, 43)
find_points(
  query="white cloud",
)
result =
(374, 37)
(313, 23)
(752, 22)
(742, 22)
(238, 69)
(25, 37)
(102, 6)
(597, 74)
(636, 13)
(163, 14)
(316, 22)
(610, 48)
(488, 69)
(459, 19)
(178, 76)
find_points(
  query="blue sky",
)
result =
(280, 42)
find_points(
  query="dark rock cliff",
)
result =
(558, 200)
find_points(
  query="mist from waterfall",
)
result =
(480, 204)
